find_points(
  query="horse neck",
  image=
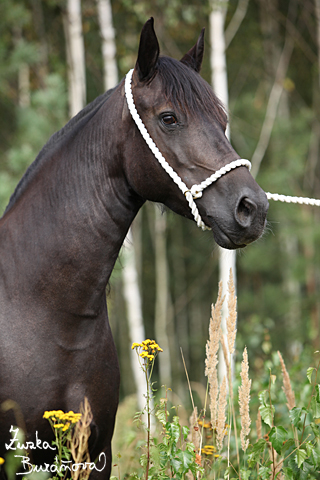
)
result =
(67, 228)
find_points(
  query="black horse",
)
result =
(66, 221)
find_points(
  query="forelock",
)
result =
(188, 91)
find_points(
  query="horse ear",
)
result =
(148, 51)
(193, 58)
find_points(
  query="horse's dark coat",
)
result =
(65, 223)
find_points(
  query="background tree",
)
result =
(271, 47)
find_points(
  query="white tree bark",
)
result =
(227, 258)
(134, 313)
(130, 279)
(108, 44)
(236, 21)
(162, 297)
(75, 56)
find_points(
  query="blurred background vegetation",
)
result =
(278, 277)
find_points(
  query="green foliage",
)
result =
(290, 446)
(170, 455)
(278, 277)
(166, 456)
(45, 115)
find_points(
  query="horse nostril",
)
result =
(245, 212)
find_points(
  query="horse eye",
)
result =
(169, 120)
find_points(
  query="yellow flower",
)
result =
(59, 425)
(2, 460)
(149, 349)
(208, 450)
(67, 425)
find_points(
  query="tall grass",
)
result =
(283, 445)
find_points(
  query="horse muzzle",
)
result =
(238, 226)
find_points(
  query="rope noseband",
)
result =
(196, 190)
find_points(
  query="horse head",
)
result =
(187, 124)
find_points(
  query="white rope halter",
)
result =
(287, 199)
(196, 190)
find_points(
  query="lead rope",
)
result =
(196, 190)
(287, 199)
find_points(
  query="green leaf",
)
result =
(315, 408)
(288, 444)
(318, 392)
(315, 429)
(245, 474)
(315, 457)
(267, 412)
(263, 396)
(186, 458)
(265, 473)
(185, 432)
(309, 373)
(277, 436)
(295, 415)
(300, 457)
(161, 416)
(175, 464)
(259, 446)
(309, 448)
(255, 452)
(227, 472)
(288, 472)
(174, 431)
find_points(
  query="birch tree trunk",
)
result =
(130, 280)
(227, 258)
(162, 297)
(132, 297)
(107, 33)
(75, 56)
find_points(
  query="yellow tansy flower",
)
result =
(2, 460)
(59, 425)
(67, 425)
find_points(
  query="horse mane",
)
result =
(183, 87)
(76, 123)
(188, 91)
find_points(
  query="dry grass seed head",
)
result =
(212, 348)
(225, 354)
(232, 314)
(79, 441)
(244, 399)
(221, 421)
(195, 433)
(291, 401)
(259, 425)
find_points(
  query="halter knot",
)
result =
(196, 190)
